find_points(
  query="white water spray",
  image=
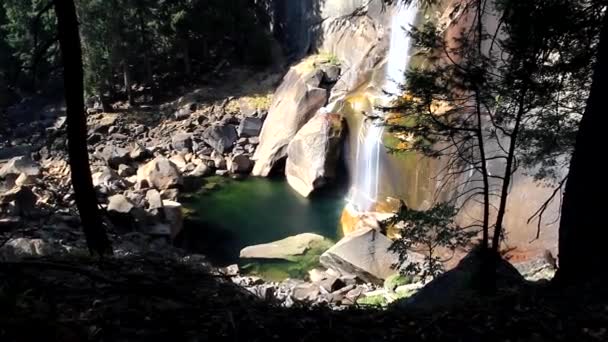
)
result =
(364, 192)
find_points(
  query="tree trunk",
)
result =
(127, 78)
(86, 200)
(583, 233)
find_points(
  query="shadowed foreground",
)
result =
(147, 299)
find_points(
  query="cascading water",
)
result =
(364, 192)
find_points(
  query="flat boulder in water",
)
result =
(283, 249)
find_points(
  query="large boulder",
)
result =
(363, 254)
(159, 173)
(18, 166)
(283, 249)
(461, 285)
(221, 137)
(313, 154)
(297, 99)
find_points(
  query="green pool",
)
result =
(227, 215)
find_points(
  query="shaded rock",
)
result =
(294, 103)
(250, 127)
(113, 155)
(125, 170)
(159, 173)
(182, 142)
(230, 271)
(173, 216)
(138, 152)
(94, 138)
(331, 73)
(26, 180)
(23, 200)
(170, 194)
(331, 284)
(282, 249)
(364, 253)
(179, 161)
(106, 176)
(20, 165)
(221, 172)
(21, 247)
(220, 137)
(139, 129)
(183, 113)
(305, 292)
(314, 152)
(240, 164)
(460, 285)
(201, 170)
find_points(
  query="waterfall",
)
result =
(370, 148)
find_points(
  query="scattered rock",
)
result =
(26, 180)
(179, 161)
(183, 113)
(113, 155)
(182, 142)
(106, 176)
(230, 271)
(125, 170)
(24, 247)
(221, 172)
(240, 164)
(305, 292)
(173, 216)
(138, 152)
(201, 170)
(250, 127)
(120, 205)
(20, 165)
(220, 137)
(21, 199)
(155, 202)
(159, 173)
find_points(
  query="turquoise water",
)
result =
(256, 210)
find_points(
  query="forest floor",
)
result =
(148, 299)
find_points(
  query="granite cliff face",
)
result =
(356, 34)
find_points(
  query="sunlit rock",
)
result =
(313, 154)
(294, 103)
(159, 173)
(283, 249)
(20, 165)
(364, 253)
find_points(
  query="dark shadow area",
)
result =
(143, 299)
